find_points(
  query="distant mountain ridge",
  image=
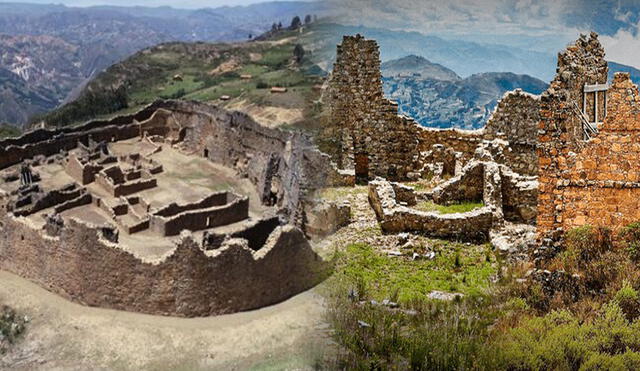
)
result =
(413, 64)
(460, 103)
(55, 49)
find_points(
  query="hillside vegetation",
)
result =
(237, 76)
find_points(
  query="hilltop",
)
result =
(238, 76)
(52, 51)
(413, 64)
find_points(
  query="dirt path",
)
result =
(65, 335)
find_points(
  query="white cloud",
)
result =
(624, 46)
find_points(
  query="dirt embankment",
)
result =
(64, 335)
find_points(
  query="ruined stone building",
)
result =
(495, 166)
(370, 138)
(589, 146)
(179, 209)
(565, 159)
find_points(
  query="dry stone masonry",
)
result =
(370, 138)
(126, 214)
(587, 177)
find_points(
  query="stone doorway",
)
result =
(362, 168)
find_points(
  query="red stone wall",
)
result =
(601, 183)
(561, 142)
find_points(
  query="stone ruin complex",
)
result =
(180, 209)
(542, 164)
(496, 165)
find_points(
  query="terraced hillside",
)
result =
(238, 76)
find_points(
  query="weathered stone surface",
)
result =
(254, 264)
(369, 136)
(395, 218)
(587, 181)
(326, 217)
(81, 265)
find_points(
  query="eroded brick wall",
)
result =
(577, 178)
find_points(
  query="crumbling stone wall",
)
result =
(515, 119)
(598, 182)
(366, 134)
(394, 217)
(258, 265)
(82, 266)
(369, 135)
(200, 215)
(561, 143)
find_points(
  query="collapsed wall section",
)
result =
(561, 136)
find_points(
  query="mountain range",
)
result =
(49, 52)
(437, 97)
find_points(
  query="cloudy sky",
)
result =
(536, 24)
(185, 4)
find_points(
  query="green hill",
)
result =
(237, 76)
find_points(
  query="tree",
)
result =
(274, 27)
(298, 53)
(296, 23)
(307, 19)
(279, 25)
(250, 36)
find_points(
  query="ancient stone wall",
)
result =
(207, 213)
(370, 136)
(366, 134)
(515, 119)
(82, 266)
(598, 183)
(395, 218)
(561, 137)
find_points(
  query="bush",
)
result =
(585, 244)
(560, 341)
(261, 85)
(11, 327)
(629, 301)
(630, 236)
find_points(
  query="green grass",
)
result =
(8, 131)
(253, 70)
(456, 268)
(462, 207)
(277, 57)
(422, 334)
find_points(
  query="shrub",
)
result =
(629, 300)
(559, 340)
(431, 336)
(11, 327)
(630, 236)
(584, 244)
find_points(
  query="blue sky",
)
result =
(185, 4)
